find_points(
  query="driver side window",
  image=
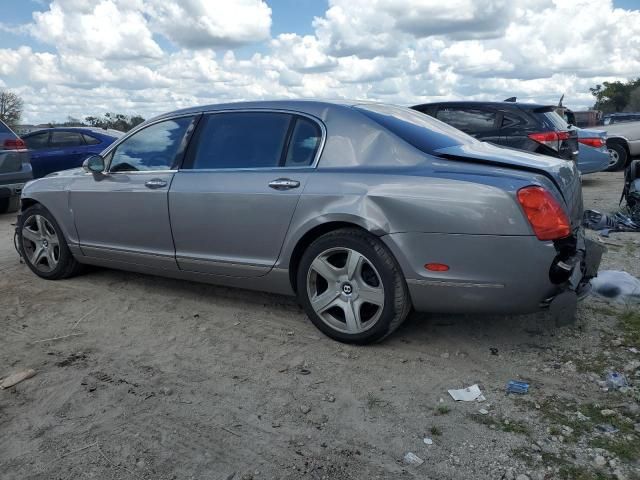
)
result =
(156, 147)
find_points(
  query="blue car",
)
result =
(593, 155)
(55, 149)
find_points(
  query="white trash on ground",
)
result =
(412, 459)
(617, 285)
(468, 394)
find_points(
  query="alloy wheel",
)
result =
(40, 243)
(613, 157)
(345, 290)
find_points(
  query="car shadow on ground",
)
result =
(422, 330)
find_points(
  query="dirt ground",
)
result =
(165, 379)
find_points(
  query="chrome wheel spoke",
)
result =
(41, 227)
(326, 300)
(323, 268)
(37, 255)
(352, 317)
(353, 263)
(372, 295)
(31, 235)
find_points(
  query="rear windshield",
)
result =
(419, 129)
(553, 120)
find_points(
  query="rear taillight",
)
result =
(546, 216)
(550, 139)
(14, 144)
(592, 142)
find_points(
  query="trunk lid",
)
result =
(563, 174)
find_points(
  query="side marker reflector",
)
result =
(436, 267)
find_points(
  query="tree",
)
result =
(116, 121)
(10, 108)
(614, 96)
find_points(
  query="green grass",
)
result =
(442, 409)
(628, 450)
(630, 323)
(501, 424)
(435, 431)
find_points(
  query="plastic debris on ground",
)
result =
(468, 394)
(607, 428)
(427, 441)
(515, 386)
(616, 285)
(16, 378)
(616, 381)
(412, 459)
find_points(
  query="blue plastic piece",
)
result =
(515, 386)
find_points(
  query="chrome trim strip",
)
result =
(314, 164)
(443, 283)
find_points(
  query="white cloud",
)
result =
(107, 55)
(210, 23)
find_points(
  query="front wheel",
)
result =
(617, 157)
(351, 287)
(43, 246)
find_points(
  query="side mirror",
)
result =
(93, 164)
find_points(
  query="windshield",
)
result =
(418, 129)
(556, 120)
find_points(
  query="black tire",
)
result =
(619, 153)
(397, 303)
(9, 204)
(67, 265)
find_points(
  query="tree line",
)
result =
(11, 107)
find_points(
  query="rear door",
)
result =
(478, 121)
(233, 200)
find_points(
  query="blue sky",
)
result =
(86, 57)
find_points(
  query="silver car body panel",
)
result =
(456, 206)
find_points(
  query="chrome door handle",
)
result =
(284, 184)
(155, 183)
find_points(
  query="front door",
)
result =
(123, 215)
(232, 203)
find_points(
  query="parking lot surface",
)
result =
(165, 379)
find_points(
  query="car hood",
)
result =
(72, 172)
(563, 173)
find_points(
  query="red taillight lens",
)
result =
(550, 139)
(592, 142)
(14, 144)
(546, 216)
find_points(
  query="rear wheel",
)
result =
(617, 157)
(43, 246)
(351, 287)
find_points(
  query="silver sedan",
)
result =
(364, 211)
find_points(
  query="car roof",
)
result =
(522, 105)
(102, 131)
(312, 107)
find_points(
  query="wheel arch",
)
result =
(309, 237)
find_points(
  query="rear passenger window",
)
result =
(89, 140)
(66, 139)
(304, 143)
(37, 141)
(468, 119)
(244, 140)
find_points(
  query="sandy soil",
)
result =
(166, 379)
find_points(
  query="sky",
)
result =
(74, 58)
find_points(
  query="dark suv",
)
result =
(15, 168)
(525, 126)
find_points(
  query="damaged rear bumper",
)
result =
(495, 274)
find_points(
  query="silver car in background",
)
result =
(363, 211)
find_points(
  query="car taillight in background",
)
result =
(14, 144)
(546, 216)
(592, 142)
(550, 139)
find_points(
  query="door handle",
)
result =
(155, 183)
(284, 184)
